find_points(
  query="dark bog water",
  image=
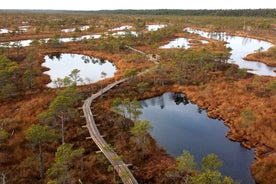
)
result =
(90, 68)
(180, 125)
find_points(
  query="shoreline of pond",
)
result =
(250, 57)
(246, 139)
(176, 125)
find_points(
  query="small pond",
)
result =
(26, 43)
(241, 47)
(155, 27)
(126, 27)
(177, 43)
(2, 31)
(180, 125)
(68, 30)
(183, 43)
(93, 36)
(21, 43)
(24, 28)
(91, 68)
(20, 29)
(124, 33)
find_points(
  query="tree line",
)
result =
(181, 12)
(204, 12)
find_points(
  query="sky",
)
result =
(137, 4)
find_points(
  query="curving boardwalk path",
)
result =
(117, 163)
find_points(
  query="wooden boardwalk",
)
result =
(117, 163)
(152, 57)
(135, 50)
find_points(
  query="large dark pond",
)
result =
(91, 68)
(180, 125)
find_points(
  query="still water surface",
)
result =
(90, 68)
(155, 27)
(183, 43)
(26, 43)
(241, 47)
(126, 27)
(4, 30)
(177, 43)
(82, 28)
(180, 125)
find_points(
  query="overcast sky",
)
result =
(137, 4)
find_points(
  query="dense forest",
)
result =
(241, 12)
(178, 12)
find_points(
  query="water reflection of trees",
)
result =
(55, 55)
(143, 103)
(246, 41)
(153, 102)
(86, 59)
(161, 101)
(90, 59)
(179, 98)
(217, 35)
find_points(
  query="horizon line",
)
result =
(132, 9)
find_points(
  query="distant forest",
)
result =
(202, 12)
(241, 12)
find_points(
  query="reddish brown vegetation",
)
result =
(223, 98)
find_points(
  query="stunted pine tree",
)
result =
(59, 172)
(75, 76)
(72, 79)
(62, 109)
(38, 135)
(129, 109)
(31, 72)
(140, 130)
(210, 162)
(186, 162)
(8, 77)
(210, 173)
